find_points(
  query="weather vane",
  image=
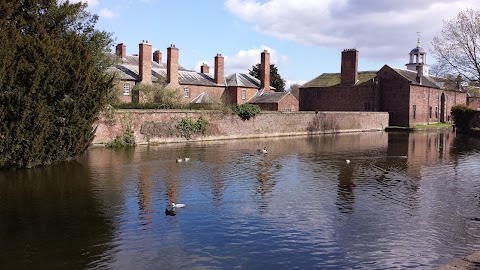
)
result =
(418, 41)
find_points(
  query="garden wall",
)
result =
(159, 126)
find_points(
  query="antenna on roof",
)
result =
(418, 40)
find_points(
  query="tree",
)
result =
(457, 50)
(295, 90)
(53, 80)
(275, 78)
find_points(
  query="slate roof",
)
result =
(331, 79)
(203, 98)
(127, 69)
(244, 80)
(270, 97)
(412, 77)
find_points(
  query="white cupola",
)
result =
(418, 59)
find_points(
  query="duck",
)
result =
(187, 158)
(178, 205)
(263, 151)
(347, 161)
(179, 159)
(170, 211)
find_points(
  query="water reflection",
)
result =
(406, 200)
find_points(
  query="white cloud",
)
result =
(379, 29)
(245, 59)
(106, 13)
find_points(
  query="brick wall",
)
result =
(395, 96)
(338, 98)
(288, 104)
(215, 92)
(474, 102)
(234, 94)
(159, 126)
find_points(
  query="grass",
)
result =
(422, 127)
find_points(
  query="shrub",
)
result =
(462, 114)
(246, 111)
(188, 127)
(126, 139)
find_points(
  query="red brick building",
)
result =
(410, 96)
(197, 87)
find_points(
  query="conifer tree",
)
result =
(275, 78)
(53, 80)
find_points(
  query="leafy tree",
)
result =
(457, 50)
(53, 80)
(462, 115)
(275, 78)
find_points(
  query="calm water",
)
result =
(404, 201)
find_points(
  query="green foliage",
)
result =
(462, 114)
(275, 78)
(126, 139)
(53, 80)
(142, 106)
(246, 111)
(188, 127)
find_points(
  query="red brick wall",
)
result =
(215, 92)
(395, 96)
(338, 98)
(159, 125)
(288, 104)
(219, 69)
(118, 86)
(233, 95)
(349, 67)
(172, 65)
(474, 102)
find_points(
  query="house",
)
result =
(197, 87)
(411, 96)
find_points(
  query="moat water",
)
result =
(405, 200)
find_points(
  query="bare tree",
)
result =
(457, 50)
(295, 90)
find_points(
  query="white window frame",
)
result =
(126, 89)
(186, 92)
(244, 94)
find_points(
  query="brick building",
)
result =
(410, 96)
(197, 87)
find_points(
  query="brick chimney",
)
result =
(121, 50)
(205, 69)
(219, 69)
(349, 68)
(265, 71)
(145, 62)
(172, 65)
(157, 56)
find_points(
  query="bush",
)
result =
(126, 139)
(188, 127)
(462, 115)
(246, 111)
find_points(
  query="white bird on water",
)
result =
(178, 205)
(348, 161)
(187, 158)
(179, 159)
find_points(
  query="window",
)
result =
(186, 90)
(244, 94)
(126, 89)
(436, 112)
(414, 111)
(430, 112)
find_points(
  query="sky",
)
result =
(304, 37)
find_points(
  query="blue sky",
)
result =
(305, 37)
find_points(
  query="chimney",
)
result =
(121, 50)
(219, 68)
(349, 68)
(205, 69)
(172, 65)
(265, 71)
(145, 62)
(157, 56)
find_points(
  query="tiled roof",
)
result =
(331, 79)
(269, 97)
(412, 77)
